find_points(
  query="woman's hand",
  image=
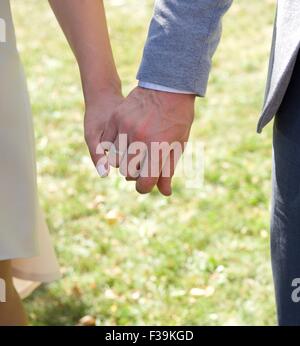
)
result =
(97, 115)
(84, 24)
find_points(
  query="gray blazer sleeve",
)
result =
(182, 39)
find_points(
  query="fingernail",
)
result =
(102, 170)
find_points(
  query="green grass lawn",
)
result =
(200, 257)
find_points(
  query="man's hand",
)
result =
(149, 118)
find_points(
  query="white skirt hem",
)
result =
(45, 277)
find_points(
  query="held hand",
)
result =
(149, 119)
(97, 115)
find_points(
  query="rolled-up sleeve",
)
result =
(182, 39)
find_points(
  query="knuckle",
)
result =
(139, 134)
(127, 124)
(115, 116)
(144, 187)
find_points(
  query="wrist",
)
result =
(98, 80)
(167, 95)
(180, 105)
(96, 91)
(103, 98)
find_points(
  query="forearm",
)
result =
(85, 27)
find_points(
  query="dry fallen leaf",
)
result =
(110, 294)
(136, 295)
(113, 216)
(87, 321)
(204, 292)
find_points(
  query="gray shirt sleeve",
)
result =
(182, 39)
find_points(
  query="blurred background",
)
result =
(200, 257)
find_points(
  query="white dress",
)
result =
(24, 236)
